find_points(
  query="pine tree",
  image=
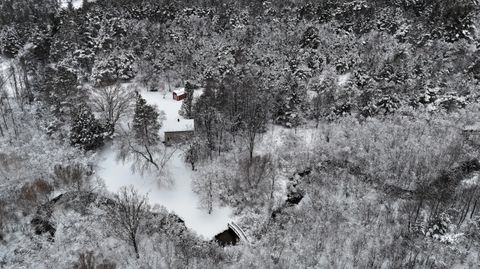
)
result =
(10, 42)
(142, 144)
(86, 131)
(290, 105)
(187, 104)
(60, 88)
(145, 123)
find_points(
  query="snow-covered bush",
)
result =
(450, 102)
(440, 228)
(388, 104)
(369, 110)
(429, 96)
(343, 109)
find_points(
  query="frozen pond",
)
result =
(179, 197)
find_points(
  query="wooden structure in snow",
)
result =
(231, 236)
(179, 94)
(181, 131)
(238, 231)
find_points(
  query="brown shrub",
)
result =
(87, 261)
(70, 176)
(35, 192)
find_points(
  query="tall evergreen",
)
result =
(86, 131)
(188, 102)
(145, 123)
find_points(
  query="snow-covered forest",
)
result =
(239, 134)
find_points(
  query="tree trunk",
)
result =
(210, 197)
(418, 210)
(26, 82)
(251, 146)
(135, 246)
(474, 209)
(3, 112)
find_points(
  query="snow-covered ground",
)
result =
(165, 103)
(75, 3)
(179, 197)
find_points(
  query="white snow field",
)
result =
(165, 103)
(179, 197)
(75, 3)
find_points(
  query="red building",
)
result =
(179, 94)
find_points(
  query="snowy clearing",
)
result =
(75, 3)
(179, 197)
(164, 102)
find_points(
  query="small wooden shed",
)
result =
(179, 94)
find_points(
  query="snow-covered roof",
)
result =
(179, 91)
(179, 125)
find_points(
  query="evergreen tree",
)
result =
(290, 105)
(142, 143)
(86, 131)
(188, 102)
(145, 123)
(10, 41)
(60, 89)
(118, 66)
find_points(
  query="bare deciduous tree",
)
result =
(192, 153)
(259, 169)
(255, 115)
(143, 157)
(112, 103)
(127, 214)
(206, 185)
(5, 110)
